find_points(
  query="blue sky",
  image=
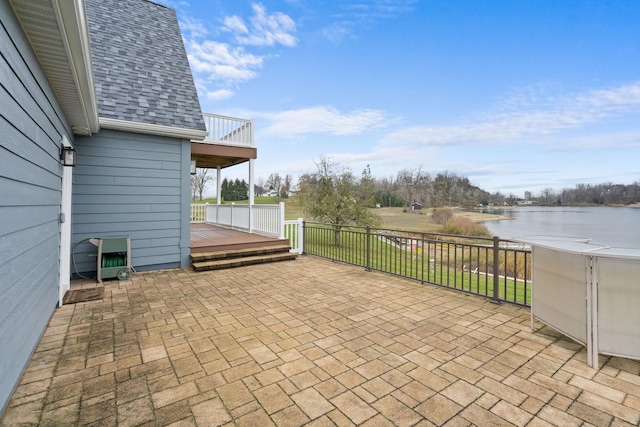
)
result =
(516, 95)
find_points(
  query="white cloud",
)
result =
(219, 61)
(194, 27)
(235, 24)
(218, 95)
(516, 120)
(219, 66)
(529, 124)
(337, 31)
(614, 100)
(380, 8)
(600, 141)
(266, 29)
(323, 120)
(355, 15)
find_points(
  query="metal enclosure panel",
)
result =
(559, 291)
(619, 306)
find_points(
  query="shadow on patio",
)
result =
(310, 342)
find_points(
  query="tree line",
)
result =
(450, 189)
(415, 185)
(592, 194)
(230, 190)
(335, 195)
(411, 186)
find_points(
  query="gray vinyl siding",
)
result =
(132, 184)
(31, 125)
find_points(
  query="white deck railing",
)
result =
(262, 219)
(228, 130)
(295, 233)
(268, 220)
(198, 212)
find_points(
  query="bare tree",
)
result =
(547, 196)
(286, 187)
(258, 188)
(410, 183)
(274, 182)
(199, 182)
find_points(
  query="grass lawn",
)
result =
(441, 262)
(396, 219)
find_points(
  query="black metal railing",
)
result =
(496, 268)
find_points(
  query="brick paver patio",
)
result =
(310, 342)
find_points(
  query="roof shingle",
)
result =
(140, 65)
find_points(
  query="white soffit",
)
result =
(58, 33)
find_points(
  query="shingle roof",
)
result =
(140, 65)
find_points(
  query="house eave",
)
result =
(65, 58)
(72, 18)
(151, 129)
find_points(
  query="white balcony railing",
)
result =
(228, 130)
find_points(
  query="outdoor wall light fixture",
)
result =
(193, 166)
(68, 155)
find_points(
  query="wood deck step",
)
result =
(242, 261)
(239, 253)
(234, 245)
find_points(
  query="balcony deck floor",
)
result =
(211, 238)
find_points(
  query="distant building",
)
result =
(416, 206)
(527, 195)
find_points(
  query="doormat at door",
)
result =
(83, 295)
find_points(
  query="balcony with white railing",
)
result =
(229, 141)
(228, 130)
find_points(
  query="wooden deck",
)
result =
(210, 238)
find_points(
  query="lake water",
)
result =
(615, 227)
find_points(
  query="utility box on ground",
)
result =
(114, 257)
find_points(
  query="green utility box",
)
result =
(114, 257)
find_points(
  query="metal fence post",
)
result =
(496, 267)
(368, 250)
(420, 250)
(303, 241)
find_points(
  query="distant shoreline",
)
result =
(481, 216)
